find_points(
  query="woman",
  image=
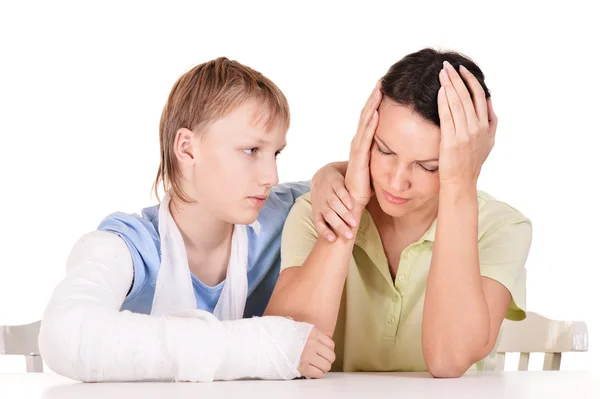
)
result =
(161, 296)
(435, 265)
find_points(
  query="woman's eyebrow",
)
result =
(388, 147)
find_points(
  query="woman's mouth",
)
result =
(393, 199)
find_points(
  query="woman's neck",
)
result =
(408, 228)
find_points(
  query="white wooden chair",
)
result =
(535, 334)
(538, 334)
(23, 340)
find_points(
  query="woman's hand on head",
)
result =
(358, 176)
(468, 127)
(331, 204)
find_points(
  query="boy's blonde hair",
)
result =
(206, 93)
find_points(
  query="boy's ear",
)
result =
(183, 147)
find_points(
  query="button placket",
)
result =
(392, 318)
(404, 266)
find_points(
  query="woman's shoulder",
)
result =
(494, 212)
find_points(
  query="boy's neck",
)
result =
(207, 240)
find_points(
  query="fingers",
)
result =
(321, 363)
(464, 95)
(338, 225)
(367, 137)
(343, 195)
(361, 145)
(318, 355)
(325, 340)
(454, 104)
(372, 103)
(481, 108)
(327, 354)
(310, 371)
(343, 212)
(446, 123)
(493, 119)
(322, 229)
(366, 114)
(336, 216)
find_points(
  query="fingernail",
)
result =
(330, 238)
(353, 222)
(463, 68)
(447, 64)
(444, 75)
(349, 235)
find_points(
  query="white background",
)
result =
(82, 85)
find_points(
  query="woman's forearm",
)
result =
(456, 319)
(312, 292)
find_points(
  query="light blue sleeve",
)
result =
(264, 249)
(143, 243)
(288, 193)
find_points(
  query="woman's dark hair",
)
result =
(414, 80)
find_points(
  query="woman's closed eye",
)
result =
(381, 150)
(429, 169)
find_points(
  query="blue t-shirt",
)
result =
(140, 233)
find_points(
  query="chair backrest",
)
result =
(22, 340)
(538, 334)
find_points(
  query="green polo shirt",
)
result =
(380, 319)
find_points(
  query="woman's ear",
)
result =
(183, 146)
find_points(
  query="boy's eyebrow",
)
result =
(258, 140)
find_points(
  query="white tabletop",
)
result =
(484, 385)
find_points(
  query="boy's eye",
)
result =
(250, 151)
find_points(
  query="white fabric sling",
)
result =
(174, 290)
(232, 301)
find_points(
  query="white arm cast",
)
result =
(85, 336)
